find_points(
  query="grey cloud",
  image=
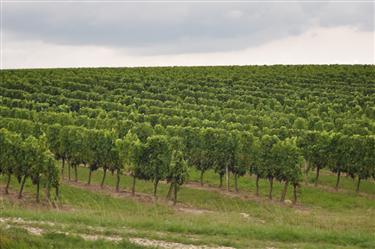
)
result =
(165, 28)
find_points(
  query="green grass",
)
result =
(16, 238)
(346, 183)
(322, 219)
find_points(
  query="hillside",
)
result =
(188, 157)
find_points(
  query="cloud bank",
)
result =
(181, 33)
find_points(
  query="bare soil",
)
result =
(171, 245)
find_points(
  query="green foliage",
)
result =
(178, 169)
(266, 166)
(227, 118)
(157, 157)
(27, 158)
(287, 158)
(132, 156)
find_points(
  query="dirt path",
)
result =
(39, 228)
(171, 245)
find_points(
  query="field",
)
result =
(204, 216)
(306, 131)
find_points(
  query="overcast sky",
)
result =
(110, 33)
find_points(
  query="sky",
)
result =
(61, 33)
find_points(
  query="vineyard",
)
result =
(278, 129)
